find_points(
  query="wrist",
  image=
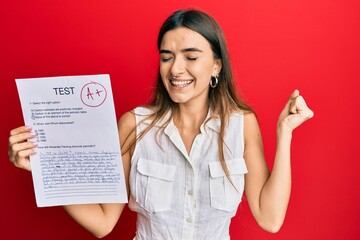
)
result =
(284, 131)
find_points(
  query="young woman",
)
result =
(191, 153)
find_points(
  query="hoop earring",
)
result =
(212, 84)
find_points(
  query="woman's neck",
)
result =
(191, 117)
(188, 120)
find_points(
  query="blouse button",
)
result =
(190, 192)
(188, 220)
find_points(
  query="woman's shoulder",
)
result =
(143, 110)
(128, 119)
(251, 126)
(246, 114)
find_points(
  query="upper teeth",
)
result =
(181, 83)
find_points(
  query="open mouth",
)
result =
(180, 83)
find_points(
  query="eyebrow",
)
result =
(183, 50)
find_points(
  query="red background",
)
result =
(275, 46)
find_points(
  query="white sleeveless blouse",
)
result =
(186, 196)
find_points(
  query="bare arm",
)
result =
(268, 194)
(99, 219)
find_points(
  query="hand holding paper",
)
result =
(79, 158)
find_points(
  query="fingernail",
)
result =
(28, 127)
(35, 144)
(32, 134)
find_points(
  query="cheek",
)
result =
(201, 71)
(164, 68)
(163, 72)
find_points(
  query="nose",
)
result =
(178, 67)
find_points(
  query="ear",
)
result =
(217, 67)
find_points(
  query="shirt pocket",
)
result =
(223, 195)
(154, 185)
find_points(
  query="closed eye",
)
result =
(165, 59)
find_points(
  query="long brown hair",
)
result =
(223, 98)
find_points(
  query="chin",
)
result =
(179, 99)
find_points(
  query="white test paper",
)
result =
(78, 159)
